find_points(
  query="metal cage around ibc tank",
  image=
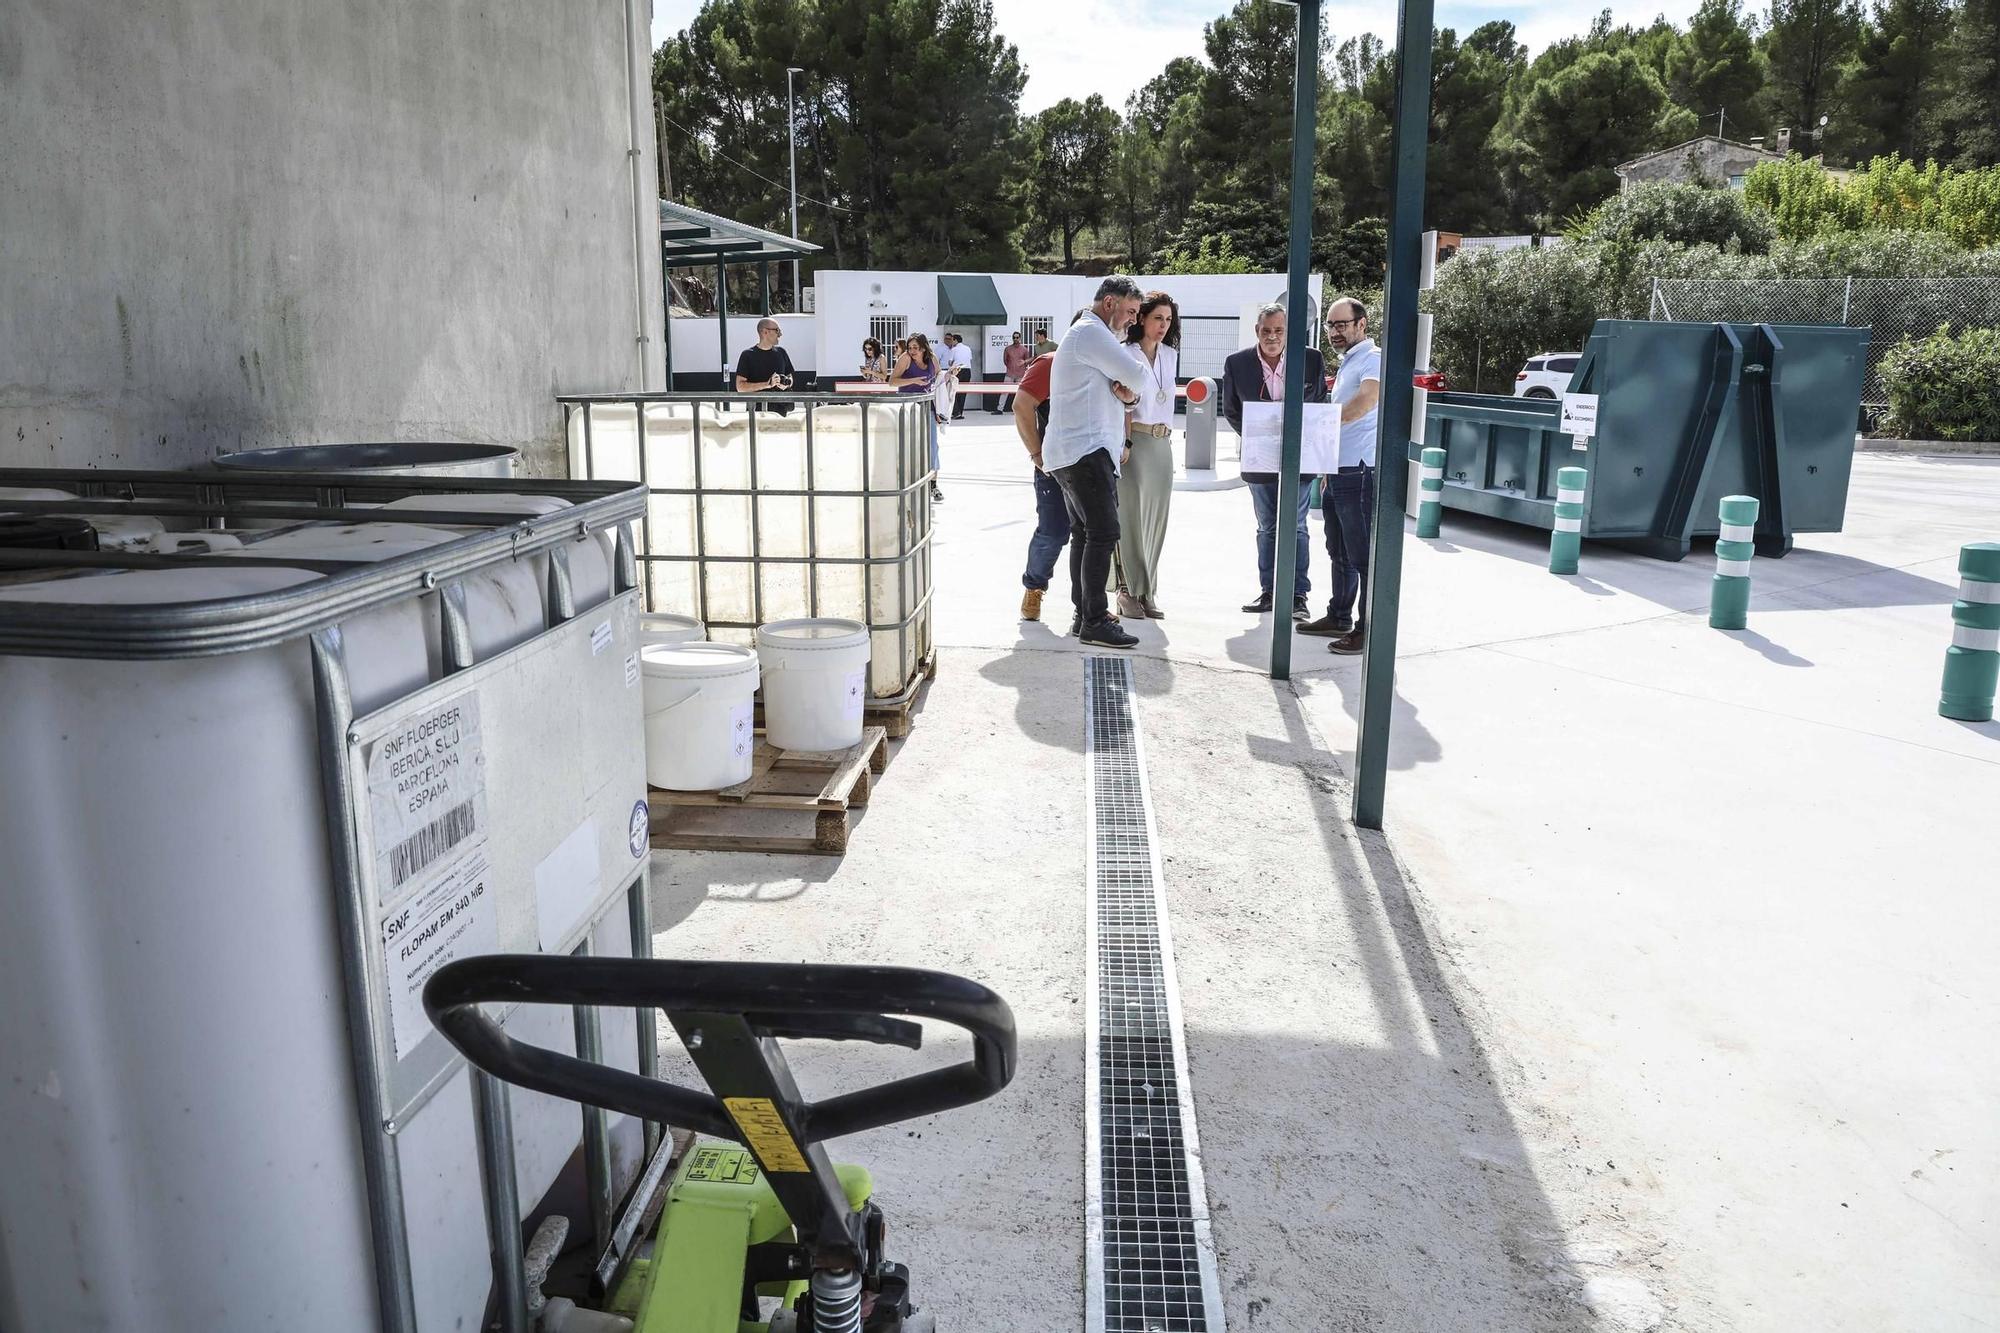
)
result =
(756, 514)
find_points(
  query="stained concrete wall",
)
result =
(228, 224)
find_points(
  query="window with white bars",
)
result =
(1034, 328)
(886, 329)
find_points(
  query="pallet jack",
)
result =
(756, 1212)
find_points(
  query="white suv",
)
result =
(1546, 375)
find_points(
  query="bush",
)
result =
(1216, 254)
(1684, 213)
(1944, 387)
(1493, 309)
(1889, 194)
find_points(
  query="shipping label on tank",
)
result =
(451, 917)
(857, 693)
(427, 797)
(742, 730)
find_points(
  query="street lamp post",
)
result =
(792, 136)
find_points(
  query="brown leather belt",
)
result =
(1158, 432)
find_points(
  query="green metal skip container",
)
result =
(1686, 414)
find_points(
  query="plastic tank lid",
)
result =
(809, 635)
(697, 661)
(665, 622)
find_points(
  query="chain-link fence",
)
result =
(1891, 308)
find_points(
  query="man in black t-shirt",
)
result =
(765, 367)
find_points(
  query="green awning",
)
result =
(969, 299)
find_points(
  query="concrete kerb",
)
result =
(1972, 448)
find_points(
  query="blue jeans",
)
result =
(1264, 495)
(1051, 532)
(1350, 511)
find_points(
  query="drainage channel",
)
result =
(1150, 1259)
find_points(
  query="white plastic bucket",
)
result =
(815, 682)
(700, 701)
(658, 627)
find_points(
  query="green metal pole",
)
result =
(722, 323)
(1392, 421)
(1305, 128)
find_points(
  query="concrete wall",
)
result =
(230, 224)
(698, 350)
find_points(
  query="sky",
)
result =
(1062, 42)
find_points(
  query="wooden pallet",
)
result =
(895, 718)
(780, 780)
(892, 718)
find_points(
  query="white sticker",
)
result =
(566, 885)
(857, 693)
(452, 918)
(1579, 442)
(742, 730)
(1579, 414)
(427, 797)
(631, 670)
(600, 638)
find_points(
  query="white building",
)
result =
(852, 304)
(986, 308)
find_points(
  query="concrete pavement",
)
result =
(1668, 1002)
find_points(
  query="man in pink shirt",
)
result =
(1015, 358)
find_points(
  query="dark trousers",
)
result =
(1349, 509)
(958, 399)
(1264, 498)
(1090, 490)
(1051, 532)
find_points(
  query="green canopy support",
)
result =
(1305, 123)
(1406, 262)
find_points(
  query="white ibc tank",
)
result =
(760, 517)
(179, 1106)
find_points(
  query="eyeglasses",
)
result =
(1345, 323)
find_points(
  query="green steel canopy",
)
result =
(690, 238)
(968, 298)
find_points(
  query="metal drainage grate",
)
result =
(1150, 1264)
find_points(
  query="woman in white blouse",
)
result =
(1146, 482)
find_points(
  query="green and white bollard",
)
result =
(1735, 546)
(1430, 481)
(1972, 663)
(1566, 541)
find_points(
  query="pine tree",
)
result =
(1894, 91)
(1074, 147)
(1808, 44)
(1970, 115)
(1715, 71)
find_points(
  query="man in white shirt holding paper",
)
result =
(1349, 504)
(1092, 381)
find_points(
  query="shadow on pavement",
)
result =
(1685, 583)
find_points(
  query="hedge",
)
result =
(1946, 386)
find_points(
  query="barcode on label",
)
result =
(428, 843)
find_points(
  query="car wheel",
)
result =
(1538, 393)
